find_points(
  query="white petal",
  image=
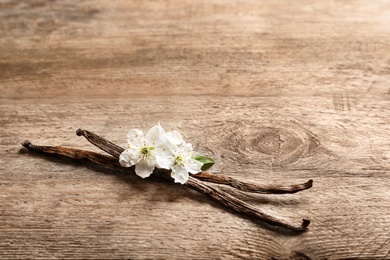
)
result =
(179, 174)
(193, 166)
(144, 167)
(129, 157)
(155, 135)
(172, 144)
(175, 137)
(186, 149)
(164, 160)
(135, 137)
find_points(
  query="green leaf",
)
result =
(207, 162)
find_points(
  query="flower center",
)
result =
(179, 160)
(146, 151)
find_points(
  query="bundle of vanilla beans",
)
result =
(199, 182)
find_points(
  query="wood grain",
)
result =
(276, 92)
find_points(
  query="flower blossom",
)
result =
(179, 157)
(161, 149)
(142, 150)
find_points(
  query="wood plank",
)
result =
(274, 92)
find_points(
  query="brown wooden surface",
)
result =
(275, 91)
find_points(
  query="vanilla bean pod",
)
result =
(193, 183)
(217, 194)
(97, 158)
(241, 206)
(251, 187)
(101, 143)
(116, 150)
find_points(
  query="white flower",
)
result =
(178, 156)
(160, 149)
(142, 150)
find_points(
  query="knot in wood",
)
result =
(273, 145)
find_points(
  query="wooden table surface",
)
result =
(274, 91)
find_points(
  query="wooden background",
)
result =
(275, 91)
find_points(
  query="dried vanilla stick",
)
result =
(115, 151)
(194, 183)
